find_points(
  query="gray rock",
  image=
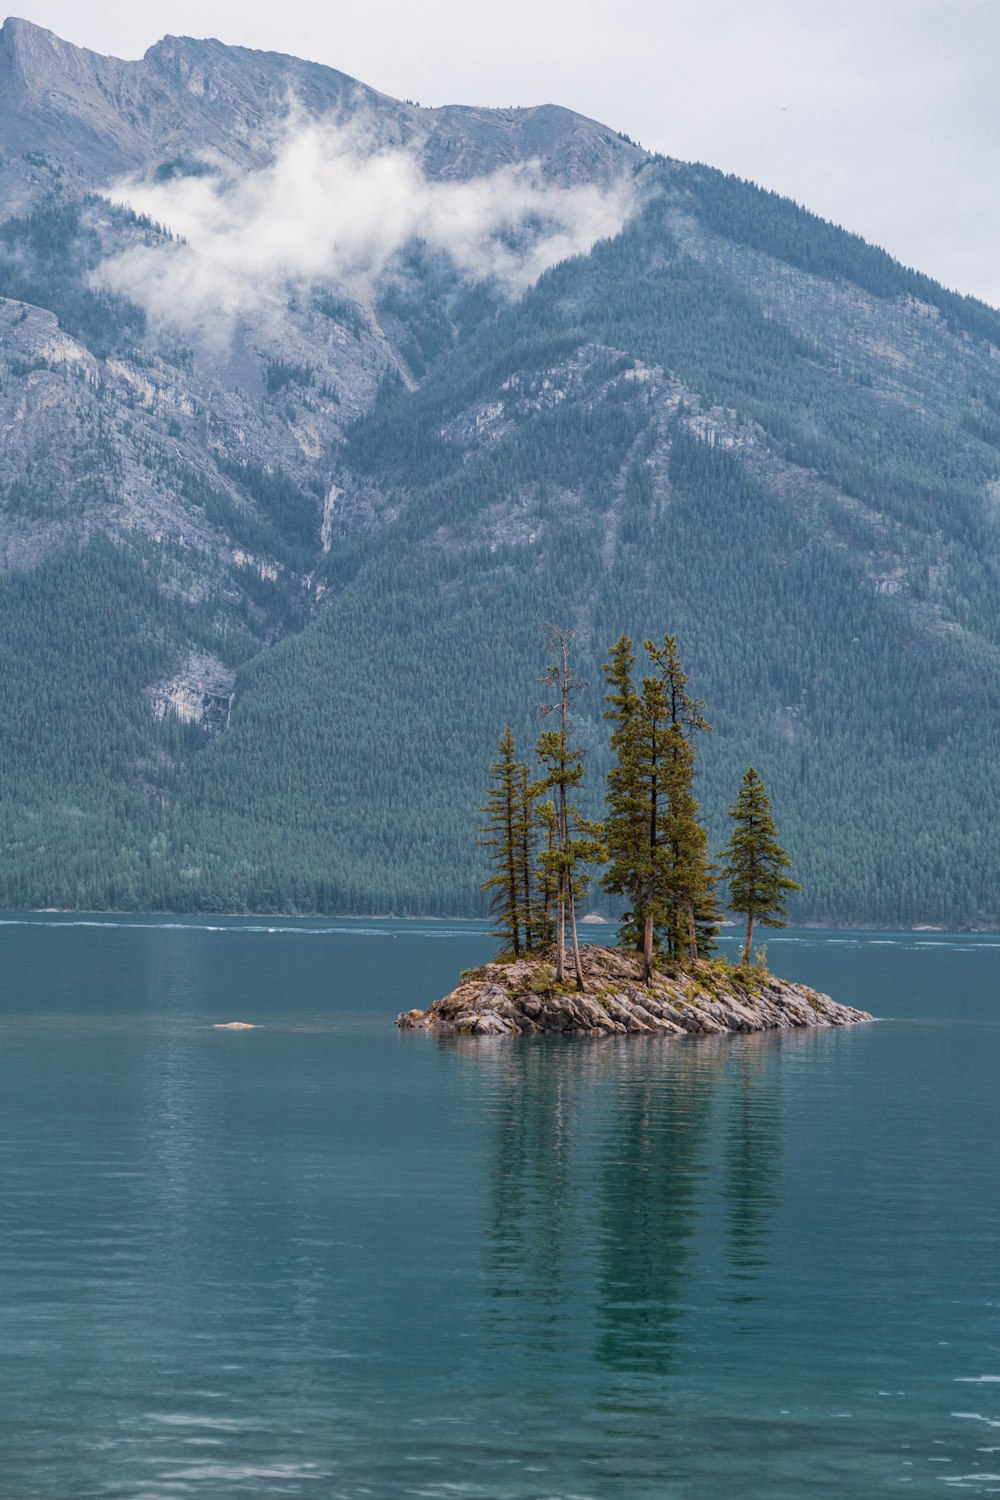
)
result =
(521, 997)
(104, 116)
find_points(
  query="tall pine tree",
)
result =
(691, 880)
(656, 844)
(546, 824)
(504, 833)
(626, 827)
(755, 861)
(576, 840)
(526, 830)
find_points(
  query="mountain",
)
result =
(99, 116)
(279, 556)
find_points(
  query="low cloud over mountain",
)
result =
(333, 209)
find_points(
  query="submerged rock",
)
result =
(520, 996)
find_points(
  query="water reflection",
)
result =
(752, 1158)
(651, 1191)
(625, 1176)
(533, 1212)
(536, 1199)
(327, 1257)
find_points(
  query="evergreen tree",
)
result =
(544, 884)
(526, 831)
(651, 769)
(502, 832)
(707, 911)
(755, 861)
(626, 824)
(691, 879)
(656, 843)
(576, 839)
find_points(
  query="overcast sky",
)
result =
(880, 114)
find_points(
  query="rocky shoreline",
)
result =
(520, 996)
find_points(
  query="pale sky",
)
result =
(883, 115)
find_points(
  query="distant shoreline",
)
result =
(298, 916)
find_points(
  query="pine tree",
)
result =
(707, 909)
(685, 858)
(755, 861)
(502, 832)
(652, 778)
(546, 824)
(691, 878)
(657, 847)
(526, 834)
(576, 839)
(626, 824)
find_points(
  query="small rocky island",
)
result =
(511, 997)
(664, 977)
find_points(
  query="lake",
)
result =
(325, 1258)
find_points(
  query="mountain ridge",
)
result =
(249, 92)
(330, 539)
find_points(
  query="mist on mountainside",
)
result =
(333, 209)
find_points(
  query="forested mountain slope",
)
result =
(269, 600)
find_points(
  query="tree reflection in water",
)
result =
(631, 1180)
(752, 1168)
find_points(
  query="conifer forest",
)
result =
(264, 600)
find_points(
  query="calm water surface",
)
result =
(324, 1258)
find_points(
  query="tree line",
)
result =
(652, 842)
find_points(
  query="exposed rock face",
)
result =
(103, 116)
(521, 997)
(201, 693)
(130, 436)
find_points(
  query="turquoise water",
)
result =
(324, 1258)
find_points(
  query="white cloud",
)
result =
(332, 210)
(881, 116)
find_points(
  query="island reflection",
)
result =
(626, 1175)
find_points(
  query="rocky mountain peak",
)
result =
(23, 38)
(104, 116)
(43, 61)
(58, 99)
(178, 55)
